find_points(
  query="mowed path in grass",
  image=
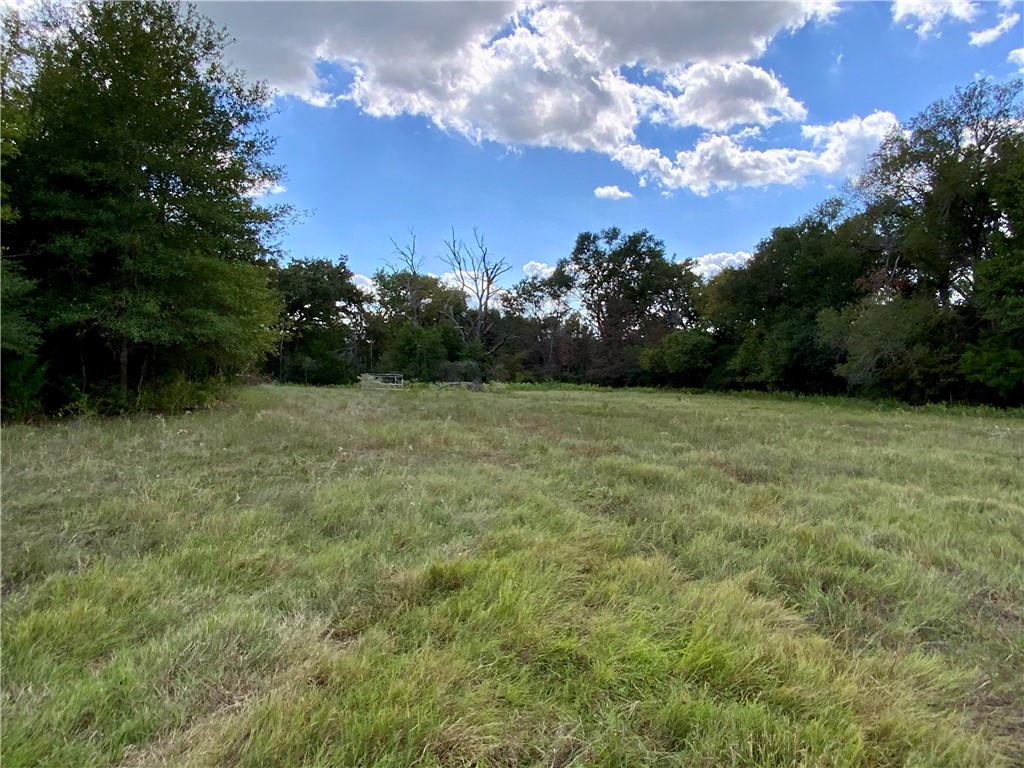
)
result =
(515, 577)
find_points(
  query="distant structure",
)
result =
(381, 380)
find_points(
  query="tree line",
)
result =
(139, 258)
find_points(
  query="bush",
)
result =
(178, 393)
(23, 379)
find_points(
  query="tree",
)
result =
(318, 292)
(890, 347)
(929, 188)
(324, 317)
(630, 293)
(996, 359)
(19, 340)
(455, 321)
(19, 333)
(422, 352)
(476, 273)
(542, 317)
(683, 358)
(767, 310)
(15, 53)
(413, 319)
(417, 299)
(136, 186)
(942, 222)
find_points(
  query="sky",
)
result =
(705, 123)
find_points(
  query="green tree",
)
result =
(475, 272)
(19, 339)
(422, 352)
(540, 323)
(930, 189)
(996, 359)
(136, 183)
(19, 333)
(889, 347)
(684, 358)
(416, 323)
(942, 223)
(15, 56)
(767, 309)
(324, 318)
(422, 300)
(630, 293)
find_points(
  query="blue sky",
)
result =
(705, 123)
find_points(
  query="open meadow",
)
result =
(515, 577)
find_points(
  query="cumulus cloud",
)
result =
(1007, 21)
(846, 145)
(563, 76)
(710, 264)
(538, 269)
(661, 35)
(925, 16)
(1017, 57)
(611, 193)
(720, 96)
(365, 284)
(722, 162)
(283, 42)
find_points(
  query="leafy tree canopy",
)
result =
(136, 185)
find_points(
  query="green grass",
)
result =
(518, 576)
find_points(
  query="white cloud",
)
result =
(662, 35)
(558, 76)
(282, 42)
(925, 16)
(453, 280)
(753, 132)
(846, 145)
(538, 269)
(1007, 21)
(722, 162)
(710, 264)
(719, 162)
(365, 283)
(266, 188)
(719, 96)
(529, 87)
(452, 64)
(611, 193)
(1017, 57)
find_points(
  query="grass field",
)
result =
(515, 577)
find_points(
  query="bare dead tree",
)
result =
(409, 260)
(476, 273)
(408, 268)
